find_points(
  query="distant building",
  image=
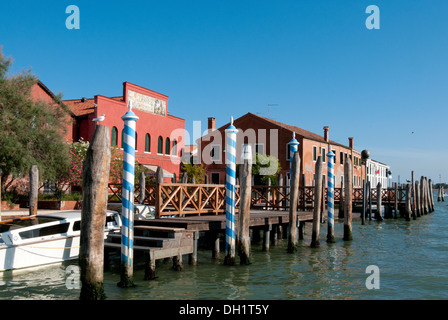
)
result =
(270, 137)
(159, 135)
(377, 172)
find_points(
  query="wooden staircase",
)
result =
(157, 243)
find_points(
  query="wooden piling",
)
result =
(364, 202)
(408, 203)
(267, 238)
(417, 199)
(369, 193)
(244, 211)
(348, 202)
(439, 194)
(159, 179)
(396, 200)
(216, 252)
(95, 179)
(414, 200)
(423, 195)
(294, 194)
(193, 257)
(34, 189)
(317, 204)
(379, 215)
(142, 182)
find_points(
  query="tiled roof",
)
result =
(80, 108)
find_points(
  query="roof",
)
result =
(82, 108)
(52, 95)
(299, 131)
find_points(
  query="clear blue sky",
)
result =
(316, 60)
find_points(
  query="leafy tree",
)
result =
(194, 170)
(32, 132)
(264, 167)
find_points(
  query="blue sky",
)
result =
(315, 60)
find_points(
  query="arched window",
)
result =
(114, 137)
(160, 146)
(174, 148)
(167, 146)
(148, 143)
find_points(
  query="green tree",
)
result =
(32, 132)
(194, 170)
(264, 167)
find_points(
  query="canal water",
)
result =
(409, 258)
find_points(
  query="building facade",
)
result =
(270, 137)
(377, 172)
(159, 135)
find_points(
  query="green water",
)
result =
(411, 256)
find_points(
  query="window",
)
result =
(122, 138)
(324, 155)
(167, 146)
(314, 153)
(160, 146)
(341, 156)
(114, 137)
(135, 141)
(174, 148)
(214, 178)
(215, 153)
(45, 231)
(147, 143)
(259, 148)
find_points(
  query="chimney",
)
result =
(83, 99)
(350, 142)
(211, 124)
(326, 137)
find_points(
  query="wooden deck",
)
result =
(258, 218)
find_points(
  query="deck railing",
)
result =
(199, 199)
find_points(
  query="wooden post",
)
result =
(348, 196)
(245, 201)
(379, 215)
(417, 199)
(150, 265)
(341, 203)
(267, 237)
(142, 188)
(301, 230)
(431, 195)
(423, 195)
(322, 202)
(193, 257)
(414, 200)
(159, 180)
(439, 194)
(364, 202)
(303, 191)
(34, 189)
(369, 194)
(281, 188)
(95, 179)
(317, 204)
(396, 200)
(216, 252)
(408, 203)
(294, 194)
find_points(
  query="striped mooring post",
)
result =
(231, 132)
(330, 193)
(293, 147)
(127, 207)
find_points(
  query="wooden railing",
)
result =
(204, 199)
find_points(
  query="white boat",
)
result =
(45, 238)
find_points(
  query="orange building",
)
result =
(270, 137)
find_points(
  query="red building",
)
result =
(159, 135)
(270, 137)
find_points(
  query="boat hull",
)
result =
(39, 253)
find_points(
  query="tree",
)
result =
(32, 132)
(264, 167)
(194, 170)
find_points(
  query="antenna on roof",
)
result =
(271, 105)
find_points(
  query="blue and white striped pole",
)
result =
(293, 146)
(330, 194)
(231, 132)
(127, 208)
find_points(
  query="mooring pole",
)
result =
(142, 188)
(231, 132)
(408, 202)
(317, 204)
(95, 178)
(330, 196)
(245, 201)
(34, 189)
(348, 201)
(379, 198)
(294, 195)
(127, 207)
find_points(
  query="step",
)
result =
(153, 241)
